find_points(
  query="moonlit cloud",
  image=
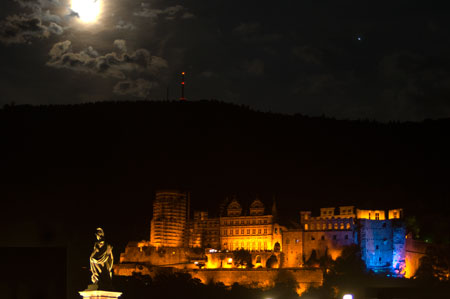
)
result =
(122, 25)
(110, 65)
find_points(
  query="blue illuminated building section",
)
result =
(382, 245)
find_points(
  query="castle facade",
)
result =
(176, 238)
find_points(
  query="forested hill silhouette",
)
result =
(123, 151)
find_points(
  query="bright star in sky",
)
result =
(87, 10)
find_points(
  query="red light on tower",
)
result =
(182, 98)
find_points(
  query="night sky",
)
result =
(383, 60)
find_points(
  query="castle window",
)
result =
(377, 247)
(276, 231)
(324, 226)
(341, 226)
(312, 238)
(346, 237)
(335, 226)
(313, 226)
(379, 259)
(287, 241)
(384, 224)
(259, 231)
(329, 226)
(306, 226)
(322, 238)
(253, 231)
(242, 231)
(265, 231)
(297, 241)
(265, 221)
(347, 226)
(225, 232)
(395, 214)
(248, 231)
(237, 232)
(242, 221)
(334, 237)
(377, 216)
(231, 231)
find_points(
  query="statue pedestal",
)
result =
(93, 292)
(99, 294)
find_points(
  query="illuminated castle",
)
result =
(175, 238)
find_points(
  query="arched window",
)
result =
(277, 247)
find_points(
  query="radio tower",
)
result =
(182, 87)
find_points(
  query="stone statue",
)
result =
(101, 260)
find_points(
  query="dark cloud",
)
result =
(254, 67)
(21, 29)
(253, 33)
(168, 13)
(137, 88)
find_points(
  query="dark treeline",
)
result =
(125, 150)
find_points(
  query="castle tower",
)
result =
(168, 225)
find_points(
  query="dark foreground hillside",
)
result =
(119, 153)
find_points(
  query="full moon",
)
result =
(87, 10)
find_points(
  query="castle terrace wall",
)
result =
(414, 251)
(259, 278)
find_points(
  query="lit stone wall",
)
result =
(224, 260)
(138, 252)
(204, 232)
(383, 245)
(293, 248)
(395, 214)
(168, 225)
(371, 214)
(328, 219)
(248, 232)
(326, 242)
(414, 251)
(260, 278)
